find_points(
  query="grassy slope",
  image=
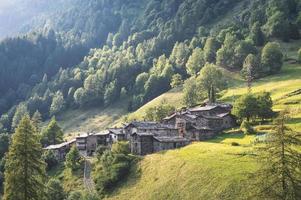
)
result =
(205, 170)
(193, 172)
(213, 169)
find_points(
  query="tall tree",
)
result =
(245, 107)
(191, 92)
(280, 174)
(36, 119)
(195, 62)
(210, 48)
(256, 35)
(57, 104)
(24, 168)
(73, 159)
(53, 134)
(265, 104)
(21, 111)
(271, 58)
(211, 79)
(250, 69)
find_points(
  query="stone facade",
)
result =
(60, 150)
(175, 131)
(88, 142)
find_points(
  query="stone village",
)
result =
(146, 137)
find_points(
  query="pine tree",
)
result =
(24, 168)
(37, 119)
(280, 174)
(73, 159)
(53, 134)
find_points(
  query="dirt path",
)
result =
(88, 181)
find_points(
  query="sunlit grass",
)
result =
(202, 170)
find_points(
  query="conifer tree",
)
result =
(280, 174)
(37, 119)
(53, 134)
(73, 159)
(24, 168)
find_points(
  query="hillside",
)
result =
(94, 55)
(193, 172)
(281, 86)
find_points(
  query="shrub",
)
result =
(235, 144)
(247, 128)
(75, 195)
(100, 150)
(121, 147)
(111, 169)
(55, 190)
(50, 159)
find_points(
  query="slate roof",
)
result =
(58, 146)
(203, 108)
(106, 132)
(170, 139)
(117, 131)
(150, 125)
(143, 134)
(84, 135)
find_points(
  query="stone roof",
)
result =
(58, 146)
(203, 108)
(171, 139)
(84, 135)
(150, 125)
(117, 131)
(144, 134)
(105, 132)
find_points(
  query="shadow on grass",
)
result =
(131, 179)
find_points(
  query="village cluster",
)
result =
(146, 137)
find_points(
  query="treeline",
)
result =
(164, 44)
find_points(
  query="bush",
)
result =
(55, 190)
(111, 169)
(75, 195)
(50, 159)
(235, 144)
(100, 150)
(247, 128)
(121, 147)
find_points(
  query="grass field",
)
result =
(205, 170)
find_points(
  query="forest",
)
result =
(91, 54)
(138, 54)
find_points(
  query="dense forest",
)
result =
(137, 50)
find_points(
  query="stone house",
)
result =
(117, 134)
(150, 137)
(201, 123)
(60, 150)
(88, 142)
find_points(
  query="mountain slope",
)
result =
(281, 86)
(199, 171)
